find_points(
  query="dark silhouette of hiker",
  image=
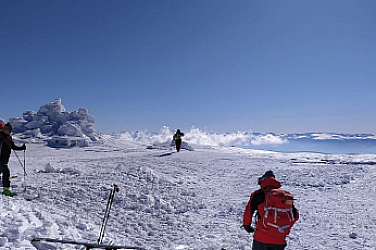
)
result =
(6, 147)
(177, 138)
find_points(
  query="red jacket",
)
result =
(256, 199)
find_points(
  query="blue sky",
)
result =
(267, 66)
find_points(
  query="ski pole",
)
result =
(107, 213)
(24, 161)
(24, 169)
(101, 234)
(23, 166)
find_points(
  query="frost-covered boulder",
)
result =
(68, 142)
(70, 129)
(34, 125)
(32, 133)
(18, 124)
(47, 129)
(29, 115)
(53, 120)
(82, 114)
(54, 106)
(58, 117)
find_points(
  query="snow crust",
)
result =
(193, 199)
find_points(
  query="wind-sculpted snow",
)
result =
(186, 200)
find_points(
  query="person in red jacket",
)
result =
(264, 239)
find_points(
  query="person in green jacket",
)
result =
(177, 138)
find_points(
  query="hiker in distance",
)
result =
(276, 214)
(177, 138)
(6, 146)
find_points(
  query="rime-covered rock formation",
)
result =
(52, 120)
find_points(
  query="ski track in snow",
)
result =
(186, 200)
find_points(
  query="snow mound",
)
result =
(52, 120)
(49, 169)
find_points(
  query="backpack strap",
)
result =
(289, 212)
(280, 228)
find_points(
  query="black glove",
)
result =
(23, 147)
(248, 228)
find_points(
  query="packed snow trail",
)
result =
(186, 200)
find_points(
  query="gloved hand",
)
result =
(248, 228)
(23, 147)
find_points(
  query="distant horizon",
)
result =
(185, 128)
(204, 129)
(241, 131)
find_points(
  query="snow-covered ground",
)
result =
(186, 200)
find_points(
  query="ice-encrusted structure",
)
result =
(53, 121)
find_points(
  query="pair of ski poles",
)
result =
(107, 212)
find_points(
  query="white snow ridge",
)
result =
(192, 199)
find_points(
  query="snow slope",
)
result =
(186, 200)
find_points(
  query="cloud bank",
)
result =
(196, 136)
